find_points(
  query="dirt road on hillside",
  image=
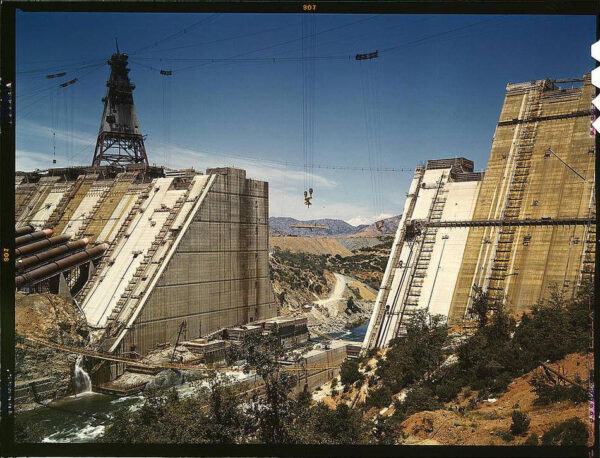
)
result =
(338, 291)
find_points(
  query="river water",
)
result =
(83, 417)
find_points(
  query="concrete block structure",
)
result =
(182, 247)
(524, 227)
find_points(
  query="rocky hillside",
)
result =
(366, 264)
(467, 421)
(390, 225)
(47, 317)
(312, 245)
(283, 226)
(503, 381)
(299, 278)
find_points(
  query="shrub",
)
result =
(341, 425)
(507, 436)
(386, 430)
(548, 391)
(334, 383)
(372, 352)
(568, 433)
(417, 399)
(349, 372)
(500, 351)
(532, 440)
(448, 390)
(520, 423)
(379, 397)
(411, 356)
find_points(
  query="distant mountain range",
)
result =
(335, 227)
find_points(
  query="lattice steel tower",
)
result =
(120, 140)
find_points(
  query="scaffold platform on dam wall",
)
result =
(521, 222)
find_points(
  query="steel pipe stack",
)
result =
(39, 256)
(55, 267)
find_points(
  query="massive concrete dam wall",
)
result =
(527, 225)
(185, 247)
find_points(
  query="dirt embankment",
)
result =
(47, 317)
(484, 425)
(313, 245)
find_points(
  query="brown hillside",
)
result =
(484, 425)
(313, 245)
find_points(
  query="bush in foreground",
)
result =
(568, 433)
(520, 423)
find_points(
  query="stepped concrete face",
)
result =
(525, 226)
(182, 247)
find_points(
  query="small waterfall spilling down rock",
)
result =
(83, 382)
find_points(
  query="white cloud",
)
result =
(358, 220)
(31, 128)
(285, 184)
(27, 161)
(277, 175)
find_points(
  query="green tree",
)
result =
(379, 397)
(480, 306)
(341, 425)
(418, 399)
(276, 415)
(214, 416)
(410, 357)
(349, 372)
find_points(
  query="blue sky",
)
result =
(435, 91)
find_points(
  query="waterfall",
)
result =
(83, 382)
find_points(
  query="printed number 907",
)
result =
(309, 7)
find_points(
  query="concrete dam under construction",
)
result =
(140, 249)
(524, 226)
(156, 258)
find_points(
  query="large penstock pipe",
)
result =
(24, 230)
(33, 236)
(55, 267)
(41, 244)
(51, 254)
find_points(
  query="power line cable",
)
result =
(438, 34)
(203, 43)
(176, 34)
(285, 42)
